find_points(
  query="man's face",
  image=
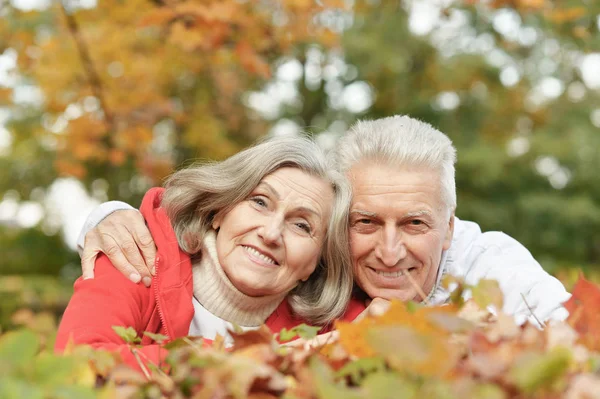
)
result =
(398, 224)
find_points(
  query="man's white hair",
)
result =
(403, 142)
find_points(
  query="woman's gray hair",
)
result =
(401, 141)
(194, 195)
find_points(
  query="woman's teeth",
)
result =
(259, 255)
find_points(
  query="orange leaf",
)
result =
(583, 312)
(251, 61)
(561, 16)
(157, 16)
(353, 336)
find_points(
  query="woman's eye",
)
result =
(304, 226)
(259, 201)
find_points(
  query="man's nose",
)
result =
(391, 248)
(272, 230)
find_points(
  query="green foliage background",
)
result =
(451, 80)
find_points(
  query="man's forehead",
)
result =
(380, 188)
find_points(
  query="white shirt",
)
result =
(207, 325)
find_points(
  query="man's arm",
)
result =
(529, 291)
(119, 231)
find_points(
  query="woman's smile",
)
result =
(258, 256)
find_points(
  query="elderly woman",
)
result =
(258, 238)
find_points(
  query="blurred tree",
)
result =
(506, 80)
(119, 94)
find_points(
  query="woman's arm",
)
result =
(110, 300)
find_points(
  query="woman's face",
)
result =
(273, 239)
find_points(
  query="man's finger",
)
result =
(88, 260)
(378, 306)
(90, 251)
(145, 243)
(121, 257)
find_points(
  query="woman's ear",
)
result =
(217, 219)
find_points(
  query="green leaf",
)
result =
(73, 392)
(359, 369)
(412, 306)
(387, 385)
(533, 371)
(159, 338)
(12, 388)
(18, 348)
(325, 386)
(303, 331)
(488, 292)
(129, 335)
(51, 370)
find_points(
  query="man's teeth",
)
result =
(259, 255)
(389, 274)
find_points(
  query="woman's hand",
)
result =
(126, 241)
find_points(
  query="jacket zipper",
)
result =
(160, 313)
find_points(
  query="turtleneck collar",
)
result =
(214, 290)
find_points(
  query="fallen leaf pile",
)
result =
(411, 351)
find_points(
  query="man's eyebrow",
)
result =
(363, 213)
(417, 214)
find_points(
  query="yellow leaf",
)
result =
(157, 16)
(562, 16)
(187, 39)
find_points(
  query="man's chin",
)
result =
(390, 294)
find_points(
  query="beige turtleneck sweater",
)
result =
(218, 304)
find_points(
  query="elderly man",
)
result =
(404, 236)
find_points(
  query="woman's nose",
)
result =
(271, 231)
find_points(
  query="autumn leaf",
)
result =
(561, 16)
(129, 335)
(251, 61)
(354, 336)
(488, 292)
(157, 16)
(534, 371)
(583, 312)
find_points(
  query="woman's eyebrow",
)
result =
(308, 210)
(269, 188)
(275, 194)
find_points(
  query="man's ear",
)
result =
(450, 232)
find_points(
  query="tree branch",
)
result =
(88, 65)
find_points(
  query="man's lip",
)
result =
(396, 270)
(264, 252)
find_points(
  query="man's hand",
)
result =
(125, 239)
(376, 307)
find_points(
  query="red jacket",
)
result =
(110, 299)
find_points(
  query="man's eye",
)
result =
(364, 221)
(417, 222)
